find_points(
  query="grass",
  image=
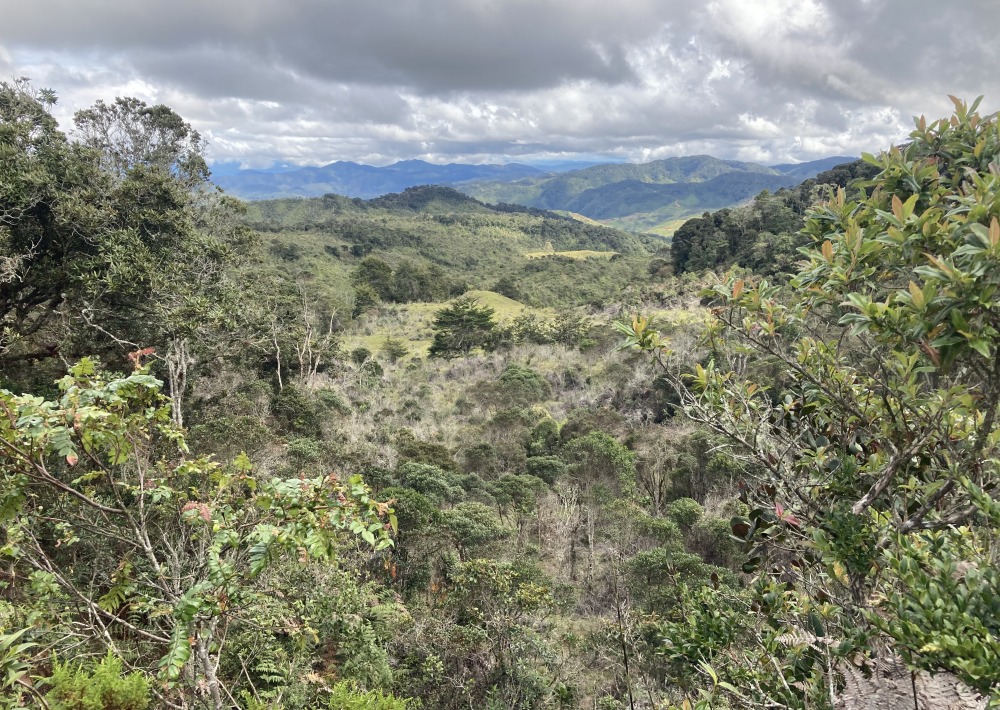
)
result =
(692, 313)
(580, 217)
(580, 254)
(411, 322)
(667, 228)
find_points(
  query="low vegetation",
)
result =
(335, 453)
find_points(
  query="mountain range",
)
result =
(365, 181)
(649, 196)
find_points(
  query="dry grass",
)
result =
(667, 228)
(411, 322)
(580, 255)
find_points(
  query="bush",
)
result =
(394, 349)
(103, 688)
(410, 448)
(712, 538)
(295, 413)
(521, 385)
(473, 525)
(481, 458)
(544, 438)
(547, 468)
(360, 355)
(345, 696)
(685, 512)
(304, 453)
(332, 402)
(431, 481)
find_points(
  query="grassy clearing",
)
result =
(667, 228)
(692, 313)
(411, 322)
(580, 254)
(579, 217)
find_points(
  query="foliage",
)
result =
(14, 667)
(443, 248)
(685, 512)
(764, 235)
(127, 133)
(460, 327)
(119, 233)
(564, 533)
(173, 540)
(103, 688)
(394, 349)
(345, 697)
(876, 443)
(517, 386)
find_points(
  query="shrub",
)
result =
(294, 412)
(547, 468)
(544, 437)
(102, 688)
(303, 452)
(345, 696)
(431, 481)
(332, 402)
(360, 355)
(685, 512)
(394, 349)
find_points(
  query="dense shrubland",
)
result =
(319, 464)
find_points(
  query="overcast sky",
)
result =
(313, 81)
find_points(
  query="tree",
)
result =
(116, 242)
(128, 134)
(52, 206)
(375, 274)
(394, 348)
(873, 520)
(460, 327)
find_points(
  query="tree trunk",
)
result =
(211, 679)
(178, 359)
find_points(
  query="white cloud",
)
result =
(312, 81)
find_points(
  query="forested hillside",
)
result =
(422, 452)
(430, 243)
(647, 196)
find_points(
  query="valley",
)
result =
(441, 447)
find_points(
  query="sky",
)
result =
(309, 82)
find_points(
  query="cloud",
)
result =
(427, 45)
(312, 81)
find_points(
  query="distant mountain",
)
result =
(812, 168)
(364, 181)
(557, 191)
(648, 196)
(636, 196)
(628, 197)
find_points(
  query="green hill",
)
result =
(557, 191)
(445, 242)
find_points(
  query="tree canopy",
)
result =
(460, 327)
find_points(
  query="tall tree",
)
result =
(53, 207)
(128, 134)
(460, 327)
(115, 241)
